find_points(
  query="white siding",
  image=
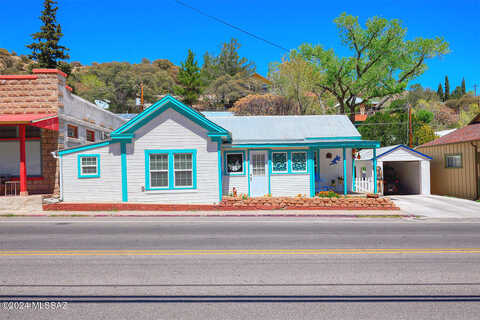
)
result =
(290, 185)
(330, 172)
(238, 182)
(171, 130)
(401, 154)
(425, 177)
(106, 188)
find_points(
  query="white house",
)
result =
(170, 153)
(410, 166)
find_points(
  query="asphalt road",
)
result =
(239, 268)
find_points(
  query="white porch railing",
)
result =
(364, 185)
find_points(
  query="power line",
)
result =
(231, 25)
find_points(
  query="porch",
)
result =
(293, 169)
(25, 162)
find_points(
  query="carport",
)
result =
(400, 169)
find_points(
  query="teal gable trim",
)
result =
(123, 152)
(171, 177)
(335, 138)
(225, 171)
(162, 105)
(79, 166)
(83, 148)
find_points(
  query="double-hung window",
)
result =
(159, 170)
(183, 169)
(88, 166)
(170, 169)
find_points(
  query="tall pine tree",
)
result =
(189, 79)
(464, 90)
(46, 50)
(440, 92)
(447, 89)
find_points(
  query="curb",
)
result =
(215, 215)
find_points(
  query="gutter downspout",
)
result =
(54, 154)
(475, 148)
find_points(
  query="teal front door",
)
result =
(258, 173)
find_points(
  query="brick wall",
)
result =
(37, 93)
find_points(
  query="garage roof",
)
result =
(367, 154)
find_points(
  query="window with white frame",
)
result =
(279, 162)
(159, 170)
(299, 161)
(89, 166)
(453, 161)
(183, 169)
(234, 163)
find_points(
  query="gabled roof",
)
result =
(465, 134)
(367, 154)
(160, 106)
(293, 129)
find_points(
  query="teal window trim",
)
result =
(79, 164)
(306, 161)
(226, 153)
(171, 170)
(287, 160)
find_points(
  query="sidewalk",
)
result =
(239, 213)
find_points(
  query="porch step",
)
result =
(9, 204)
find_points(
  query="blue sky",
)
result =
(119, 30)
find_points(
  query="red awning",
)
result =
(41, 120)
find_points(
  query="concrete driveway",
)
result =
(437, 206)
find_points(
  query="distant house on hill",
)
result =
(456, 162)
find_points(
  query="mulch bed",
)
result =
(234, 204)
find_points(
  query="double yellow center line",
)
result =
(236, 252)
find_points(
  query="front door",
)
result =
(258, 173)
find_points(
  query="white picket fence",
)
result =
(364, 185)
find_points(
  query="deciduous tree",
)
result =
(382, 63)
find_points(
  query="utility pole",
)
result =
(141, 93)
(475, 89)
(410, 131)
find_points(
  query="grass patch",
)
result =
(8, 215)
